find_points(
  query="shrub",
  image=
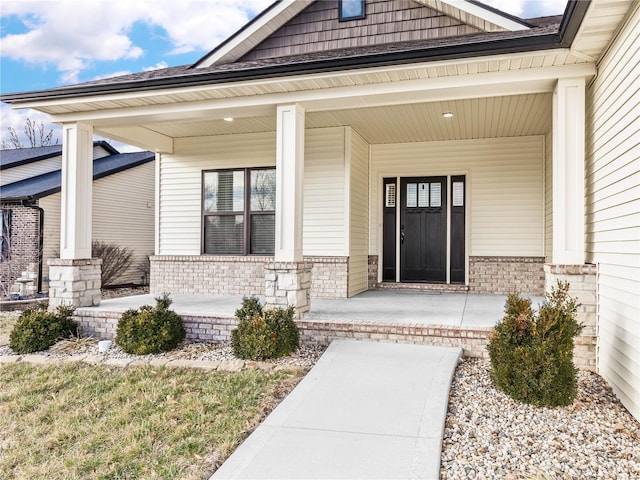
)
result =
(150, 329)
(115, 260)
(37, 329)
(263, 334)
(532, 355)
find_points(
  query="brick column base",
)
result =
(582, 286)
(75, 282)
(288, 283)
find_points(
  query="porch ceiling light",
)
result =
(447, 114)
(228, 119)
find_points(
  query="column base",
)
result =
(582, 286)
(74, 283)
(288, 284)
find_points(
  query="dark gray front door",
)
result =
(423, 229)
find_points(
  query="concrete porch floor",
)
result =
(393, 307)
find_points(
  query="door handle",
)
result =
(401, 238)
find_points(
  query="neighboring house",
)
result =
(322, 151)
(30, 184)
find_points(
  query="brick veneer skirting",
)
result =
(506, 274)
(373, 271)
(582, 286)
(240, 275)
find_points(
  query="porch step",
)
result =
(427, 287)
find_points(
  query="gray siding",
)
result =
(317, 28)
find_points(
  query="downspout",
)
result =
(40, 240)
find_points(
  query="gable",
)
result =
(318, 28)
(291, 27)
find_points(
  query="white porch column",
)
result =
(77, 183)
(289, 182)
(74, 278)
(288, 279)
(569, 172)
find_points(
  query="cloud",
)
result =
(17, 119)
(73, 35)
(157, 66)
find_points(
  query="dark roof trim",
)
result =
(574, 14)
(239, 32)
(571, 20)
(491, 9)
(37, 158)
(53, 179)
(56, 153)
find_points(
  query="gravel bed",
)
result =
(305, 357)
(488, 435)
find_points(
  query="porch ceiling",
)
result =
(505, 116)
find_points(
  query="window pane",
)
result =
(436, 191)
(224, 191)
(351, 8)
(263, 234)
(263, 190)
(224, 234)
(412, 194)
(423, 194)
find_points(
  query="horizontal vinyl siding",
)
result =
(548, 196)
(123, 213)
(181, 179)
(613, 210)
(324, 192)
(51, 232)
(504, 188)
(41, 167)
(181, 182)
(359, 214)
(29, 170)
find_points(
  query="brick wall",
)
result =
(582, 286)
(329, 277)
(24, 244)
(506, 274)
(103, 324)
(373, 271)
(240, 275)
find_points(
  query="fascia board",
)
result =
(253, 33)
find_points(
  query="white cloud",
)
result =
(74, 34)
(157, 66)
(17, 119)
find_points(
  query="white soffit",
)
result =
(255, 32)
(600, 25)
(475, 15)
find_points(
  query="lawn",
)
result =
(74, 421)
(7, 320)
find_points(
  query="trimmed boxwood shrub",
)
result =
(150, 329)
(264, 333)
(532, 355)
(37, 329)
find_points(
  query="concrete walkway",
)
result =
(367, 410)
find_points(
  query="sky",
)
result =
(51, 43)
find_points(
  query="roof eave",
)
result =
(483, 48)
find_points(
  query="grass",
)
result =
(7, 321)
(73, 421)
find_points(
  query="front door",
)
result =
(423, 229)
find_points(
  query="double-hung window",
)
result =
(238, 212)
